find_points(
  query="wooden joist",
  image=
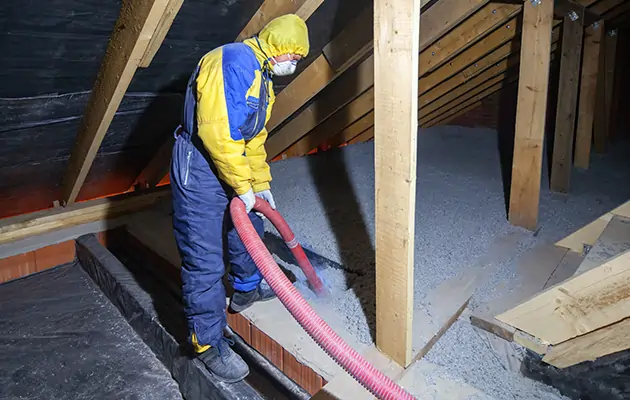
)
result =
(562, 160)
(575, 307)
(396, 49)
(531, 111)
(327, 126)
(600, 130)
(345, 89)
(593, 36)
(27, 225)
(445, 119)
(271, 9)
(136, 24)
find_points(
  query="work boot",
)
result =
(224, 363)
(240, 301)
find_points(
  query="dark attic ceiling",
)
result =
(51, 53)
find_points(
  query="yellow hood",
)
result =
(283, 35)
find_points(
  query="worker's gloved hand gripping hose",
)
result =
(367, 375)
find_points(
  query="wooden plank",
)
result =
(591, 346)
(533, 270)
(26, 225)
(136, 24)
(530, 114)
(363, 137)
(445, 15)
(609, 79)
(271, 9)
(588, 234)
(346, 92)
(603, 6)
(339, 120)
(396, 48)
(586, 302)
(160, 32)
(614, 240)
(562, 159)
(352, 43)
(586, 103)
(352, 131)
(445, 119)
(600, 131)
(473, 96)
(468, 32)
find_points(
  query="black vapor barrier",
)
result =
(60, 338)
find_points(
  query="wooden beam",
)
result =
(591, 346)
(137, 22)
(586, 103)
(577, 306)
(396, 48)
(473, 96)
(271, 9)
(562, 160)
(601, 7)
(448, 118)
(363, 136)
(27, 225)
(465, 34)
(315, 124)
(609, 79)
(339, 97)
(600, 130)
(160, 32)
(530, 113)
(353, 130)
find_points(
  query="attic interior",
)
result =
(472, 230)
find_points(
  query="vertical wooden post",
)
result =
(599, 120)
(588, 85)
(396, 48)
(531, 113)
(611, 59)
(567, 104)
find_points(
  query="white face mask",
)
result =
(283, 68)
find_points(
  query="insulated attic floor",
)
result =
(462, 235)
(61, 338)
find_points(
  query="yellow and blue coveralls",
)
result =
(219, 153)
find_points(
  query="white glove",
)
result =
(268, 197)
(249, 199)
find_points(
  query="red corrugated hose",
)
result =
(349, 359)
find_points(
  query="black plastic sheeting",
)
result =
(60, 338)
(607, 378)
(159, 320)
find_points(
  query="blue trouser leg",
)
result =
(200, 203)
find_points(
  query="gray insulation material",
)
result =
(328, 200)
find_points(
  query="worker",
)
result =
(218, 154)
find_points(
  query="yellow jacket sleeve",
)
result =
(221, 110)
(257, 156)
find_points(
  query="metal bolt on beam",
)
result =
(573, 15)
(494, 11)
(536, 2)
(595, 25)
(612, 32)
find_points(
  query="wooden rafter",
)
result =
(172, 8)
(127, 46)
(446, 52)
(396, 48)
(271, 9)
